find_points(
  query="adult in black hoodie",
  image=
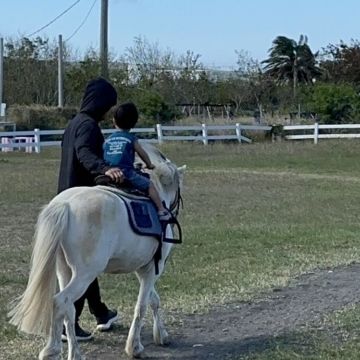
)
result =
(82, 152)
(81, 161)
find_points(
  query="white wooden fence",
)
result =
(31, 140)
(313, 131)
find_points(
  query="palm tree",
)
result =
(292, 61)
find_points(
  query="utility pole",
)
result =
(1, 72)
(60, 74)
(104, 39)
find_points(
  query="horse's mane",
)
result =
(156, 156)
(165, 171)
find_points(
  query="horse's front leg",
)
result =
(160, 334)
(133, 343)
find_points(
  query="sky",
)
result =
(214, 29)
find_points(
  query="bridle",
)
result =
(174, 209)
(177, 203)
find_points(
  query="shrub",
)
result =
(335, 103)
(40, 117)
(153, 108)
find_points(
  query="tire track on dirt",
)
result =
(228, 332)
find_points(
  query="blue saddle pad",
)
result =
(143, 217)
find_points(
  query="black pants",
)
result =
(92, 295)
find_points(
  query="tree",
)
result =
(78, 73)
(292, 61)
(189, 69)
(341, 63)
(246, 65)
(30, 75)
(147, 61)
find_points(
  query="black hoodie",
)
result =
(81, 147)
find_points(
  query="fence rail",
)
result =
(313, 132)
(34, 140)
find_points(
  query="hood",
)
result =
(99, 97)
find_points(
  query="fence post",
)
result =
(204, 134)
(159, 133)
(316, 132)
(238, 131)
(37, 140)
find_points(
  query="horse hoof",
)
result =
(135, 352)
(49, 355)
(166, 341)
(161, 340)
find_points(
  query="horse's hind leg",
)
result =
(64, 276)
(52, 350)
(133, 344)
(64, 308)
(53, 347)
(74, 290)
(160, 334)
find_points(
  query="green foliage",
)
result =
(334, 103)
(154, 109)
(234, 250)
(158, 80)
(277, 130)
(41, 117)
(30, 72)
(78, 74)
(341, 62)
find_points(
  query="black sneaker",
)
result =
(104, 322)
(80, 334)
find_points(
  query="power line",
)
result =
(52, 21)
(83, 22)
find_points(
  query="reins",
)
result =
(175, 206)
(174, 209)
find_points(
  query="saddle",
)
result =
(142, 213)
(105, 180)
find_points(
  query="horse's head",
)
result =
(167, 177)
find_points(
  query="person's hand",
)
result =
(115, 174)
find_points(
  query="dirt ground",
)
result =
(228, 332)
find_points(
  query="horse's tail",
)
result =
(34, 308)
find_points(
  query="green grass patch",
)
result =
(254, 217)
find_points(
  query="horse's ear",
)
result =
(181, 172)
(181, 169)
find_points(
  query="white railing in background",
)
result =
(30, 140)
(313, 132)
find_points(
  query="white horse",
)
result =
(81, 233)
